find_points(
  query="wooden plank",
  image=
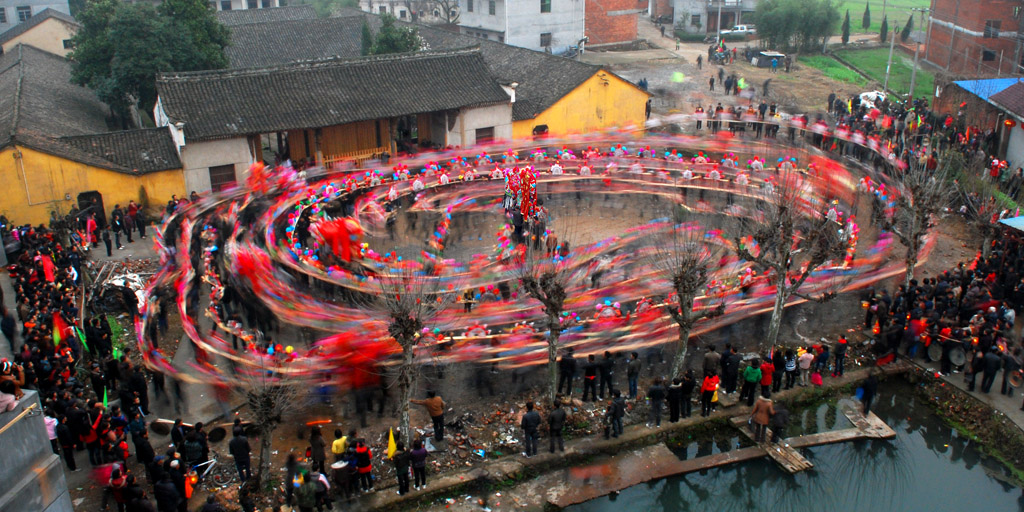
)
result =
(871, 425)
(782, 453)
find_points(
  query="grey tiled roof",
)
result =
(1011, 98)
(41, 109)
(226, 103)
(543, 78)
(38, 18)
(270, 14)
(139, 151)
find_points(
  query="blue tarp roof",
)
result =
(985, 88)
(1015, 223)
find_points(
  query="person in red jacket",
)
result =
(767, 369)
(364, 465)
(707, 392)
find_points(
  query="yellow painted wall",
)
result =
(48, 36)
(37, 185)
(590, 107)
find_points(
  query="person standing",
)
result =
(607, 370)
(556, 423)
(240, 451)
(418, 456)
(762, 414)
(590, 378)
(791, 369)
(340, 445)
(711, 82)
(751, 377)
(708, 388)
(67, 442)
(530, 423)
(700, 61)
(364, 466)
(841, 347)
(435, 408)
(767, 373)
(778, 423)
(566, 371)
(633, 374)
(675, 398)
(317, 449)
(804, 361)
(166, 494)
(106, 242)
(730, 362)
(656, 394)
(686, 394)
(992, 363)
(401, 460)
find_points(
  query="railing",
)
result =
(358, 156)
(19, 417)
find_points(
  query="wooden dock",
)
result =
(782, 453)
(655, 462)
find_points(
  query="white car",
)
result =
(869, 99)
(741, 30)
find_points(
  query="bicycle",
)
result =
(220, 475)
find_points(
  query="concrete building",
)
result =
(13, 12)
(983, 107)
(701, 16)
(330, 111)
(239, 5)
(50, 31)
(425, 11)
(980, 38)
(544, 25)
(32, 474)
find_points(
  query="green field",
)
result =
(873, 62)
(833, 69)
(897, 10)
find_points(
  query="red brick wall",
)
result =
(604, 29)
(967, 49)
(658, 7)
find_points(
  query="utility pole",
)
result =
(718, 38)
(888, 64)
(917, 50)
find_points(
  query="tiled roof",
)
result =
(1011, 99)
(226, 103)
(543, 78)
(270, 14)
(38, 18)
(139, 151)
(41, 109)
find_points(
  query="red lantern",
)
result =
(1010, 123)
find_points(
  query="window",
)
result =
(222, 176)
(988, 55)
(484, 134)
(992, 28)
(225, 5)
(3, 15)
(490, 7)
(469, 5)
(24, 13)
(545, 39)
(383, 9)
(67, 44)
(251, 4)
(695, 20)
(401, 14)
(266, 4)
(545, 5)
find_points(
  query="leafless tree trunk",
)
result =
(270, 399)
(788, 236)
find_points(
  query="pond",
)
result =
(927, 467)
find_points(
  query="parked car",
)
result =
(741, 30)
(871, 98)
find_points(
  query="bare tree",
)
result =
(545, 277)
(449, 10)
(789, 240)
(410, 297)
(271, 398)
(979, 199)
(684, 258)
(920, 194)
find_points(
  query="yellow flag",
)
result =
(392, 448)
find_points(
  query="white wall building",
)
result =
(13, 12)
(545, 25)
